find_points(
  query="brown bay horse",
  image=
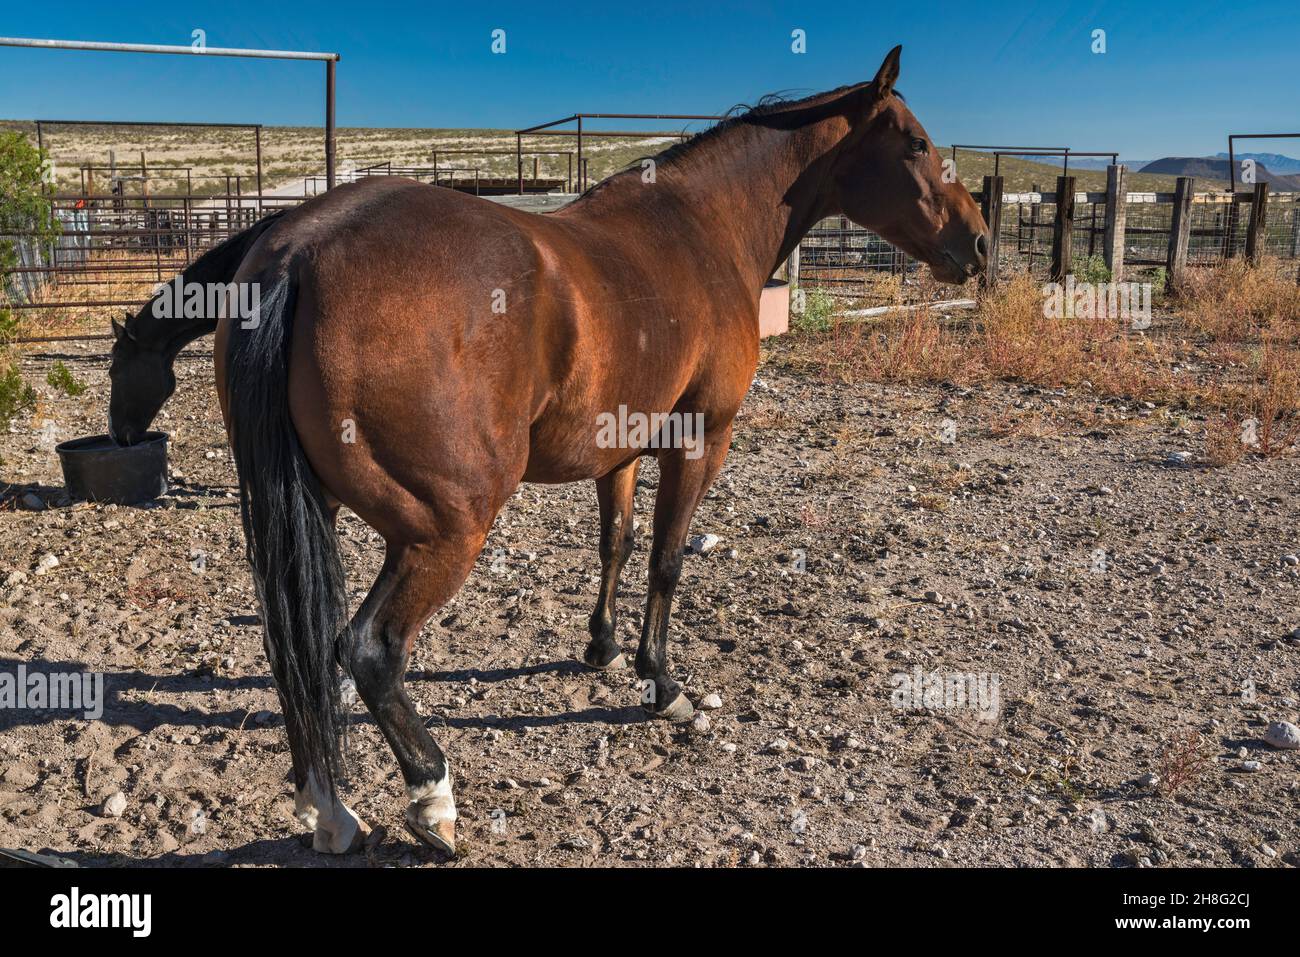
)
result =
(419, 353)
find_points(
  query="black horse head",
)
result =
(142, 379)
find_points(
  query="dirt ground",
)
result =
(1124, 603)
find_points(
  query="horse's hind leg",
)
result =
(682, 483)
(335, 827)
(615, 493)
(416, 579)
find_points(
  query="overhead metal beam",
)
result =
(331, 61)
(160, 48)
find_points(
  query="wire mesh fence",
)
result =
(113, 249)
(846, 260)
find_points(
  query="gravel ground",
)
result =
(1041, 543)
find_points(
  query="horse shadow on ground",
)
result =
(182, 495)
(123, 704)
(119, 704)
(80, 358)
(12, 492)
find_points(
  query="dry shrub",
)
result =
(902, 346)
(1264, 393)
(1235, 302)
(1185, 758)
(1017, 341)
(1223, 445)
(1234, 338)
(1007, 338)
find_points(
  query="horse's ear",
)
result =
(119, 330)
(887, 75)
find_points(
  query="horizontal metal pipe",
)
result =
(219, 126)
(160, 48)
(635, 135)
(85, 338)
(77, 305)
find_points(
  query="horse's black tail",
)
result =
(289, 534)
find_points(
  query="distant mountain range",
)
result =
(1279, 171)
(1083, 162)
(1216, 168)
(1101, 162)
(1274, 161)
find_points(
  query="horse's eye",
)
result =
(919, 145)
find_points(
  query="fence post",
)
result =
(1116, 211)
(991, 207)
(1230, 248)
(1258, 218)
(1180, 230)
(1295, 228)
(1063, 229)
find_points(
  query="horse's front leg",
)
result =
(615, 493)
(683, 480)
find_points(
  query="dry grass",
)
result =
(116, 286)
(1184, 759)
(1228, 346)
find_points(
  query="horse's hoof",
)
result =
(678, 710)
(438, 834)
(348, 836)
(618, 661)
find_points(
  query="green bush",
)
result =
(818, 311)
(62, 379)
(16, 396)
(24, 206)
(1093, 270)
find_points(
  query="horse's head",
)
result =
(141, 380)
(890, 179)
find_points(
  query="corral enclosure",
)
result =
(137, 202)
(872, 525)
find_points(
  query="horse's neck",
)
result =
(175, 332)
(753, 189)
(218, 264)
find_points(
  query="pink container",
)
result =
(774, 308)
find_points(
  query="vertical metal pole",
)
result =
(40, 148)
(258, 128)
(519, 160)
(582, 172)
(329, 124)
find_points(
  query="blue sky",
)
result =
(1176, 77)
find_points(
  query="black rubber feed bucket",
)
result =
(98, 469)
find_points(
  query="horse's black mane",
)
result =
(739, 115)
(743, 113)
